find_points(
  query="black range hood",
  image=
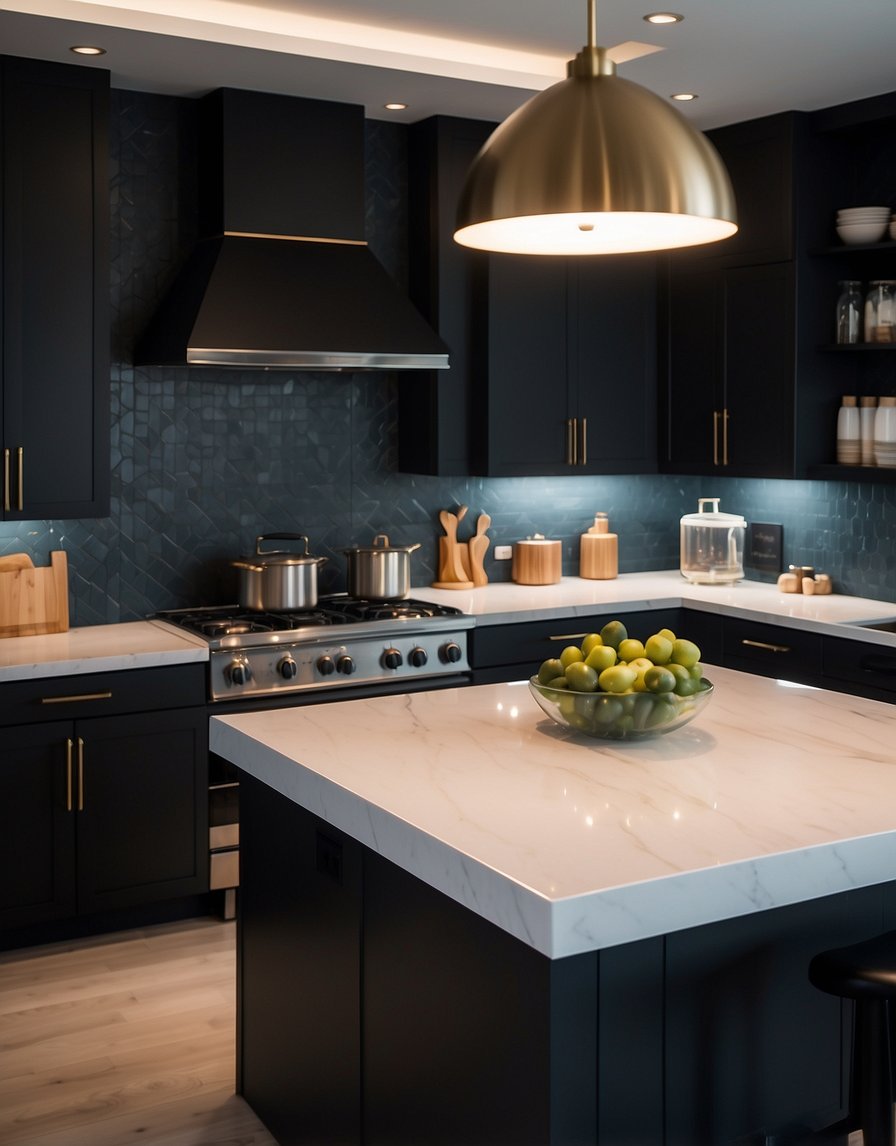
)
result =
(282, 278)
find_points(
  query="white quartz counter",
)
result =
(775, 794)
(96, 648)
(507, 603)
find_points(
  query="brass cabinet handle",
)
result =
(768, 647)
(69, 746)
(568, 637)
(570, 437)
(75, 697)
(80, 774)
(20, 454)
(584, 460)
(7, 504)
(715, 437)
(725, 437)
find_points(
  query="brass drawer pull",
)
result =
(568, 637)
(766, 645)
(69, 746)
(75, 698)
(80, 774)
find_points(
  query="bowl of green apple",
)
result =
(616, 687)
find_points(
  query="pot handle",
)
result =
(247, 565)
(279, 537)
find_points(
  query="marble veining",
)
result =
(96, 648)
(775, 794)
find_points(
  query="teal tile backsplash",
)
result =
(204, 461)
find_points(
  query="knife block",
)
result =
(35, 601)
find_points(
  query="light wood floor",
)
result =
(123, 1039)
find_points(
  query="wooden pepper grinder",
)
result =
(599, 551)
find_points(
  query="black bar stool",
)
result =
(866, 973)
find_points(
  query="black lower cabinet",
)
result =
(375, 1010)
(103, 814)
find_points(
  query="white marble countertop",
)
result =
(96, 648)
(773, 795)
(507, 603)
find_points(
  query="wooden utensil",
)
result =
(15, 561)
(453, 569)
(478, 544)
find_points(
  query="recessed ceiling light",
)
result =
(683, 97)
(395, 106)
(87, 50)
(663, 18)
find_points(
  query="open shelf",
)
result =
(834, 472)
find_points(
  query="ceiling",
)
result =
(477, 58)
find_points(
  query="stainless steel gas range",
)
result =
(343, 647)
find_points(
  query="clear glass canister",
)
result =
(880, 311)
(712, 545)
(849, 312)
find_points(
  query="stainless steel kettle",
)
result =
(712, 545)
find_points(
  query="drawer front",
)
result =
(769, 650)
(102, 694)
(524, 646)
(870, 667)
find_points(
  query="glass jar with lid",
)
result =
(880, 311)
(849, 312)
(712, 545)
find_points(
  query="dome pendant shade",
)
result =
(594, 165)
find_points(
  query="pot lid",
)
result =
(712, 517)
(262, 558)
(381, 544)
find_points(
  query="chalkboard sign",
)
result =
(764, 547)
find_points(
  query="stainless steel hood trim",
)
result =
(313, 360)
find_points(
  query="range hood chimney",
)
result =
(282, 278)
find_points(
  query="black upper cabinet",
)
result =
(730, 398)
(552, 360)
(570, 368)
(54, 415)
(744, 388)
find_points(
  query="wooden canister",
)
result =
(537, 561)
(599, 551)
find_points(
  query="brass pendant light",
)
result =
(595, 164)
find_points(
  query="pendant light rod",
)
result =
(592, 23)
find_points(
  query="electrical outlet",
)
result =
(503, 552)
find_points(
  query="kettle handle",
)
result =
(279, 537)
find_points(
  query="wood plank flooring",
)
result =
(123, 1039)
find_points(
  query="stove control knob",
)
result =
(239, 672)
(418, 657)
(392, 659)
(451, 653)
(345, 665)
(325, 666)
(288, 668)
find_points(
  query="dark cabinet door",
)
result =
(143, 816)
(525, 403)
(612, 340)
(55, 384)
(730, 371)
(37, 825)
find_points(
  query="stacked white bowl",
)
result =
(863, 224)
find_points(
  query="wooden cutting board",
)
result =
(34, 601)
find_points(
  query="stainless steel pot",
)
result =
(380, 572)
(276, 580)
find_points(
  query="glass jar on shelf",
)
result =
(849, 312)
(880, 311)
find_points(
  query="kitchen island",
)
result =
(463, 924)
